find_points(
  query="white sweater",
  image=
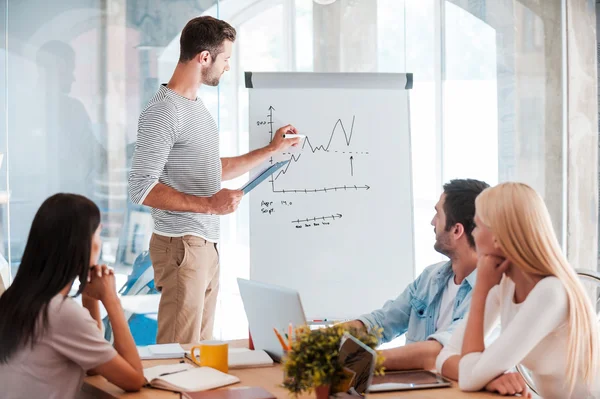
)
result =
(534, 334)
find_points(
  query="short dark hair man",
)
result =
(430, 307)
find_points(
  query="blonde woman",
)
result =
(525, 282)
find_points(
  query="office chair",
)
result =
(591, 282)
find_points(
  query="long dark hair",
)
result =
(58, 250)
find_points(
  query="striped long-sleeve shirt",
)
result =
(177, 145)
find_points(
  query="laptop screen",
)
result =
(359, 359)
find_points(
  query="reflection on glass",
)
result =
(79, 75)
(67, 126)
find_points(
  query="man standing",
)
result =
(177, 171)
(431, 306)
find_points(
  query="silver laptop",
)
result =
(270, 306)
(360, 359)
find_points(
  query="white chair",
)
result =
(591, 281)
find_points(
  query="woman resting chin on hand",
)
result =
(548, 323)
(47, 340)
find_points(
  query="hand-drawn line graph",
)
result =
(313, 149)
(308, 145)
(316, 219)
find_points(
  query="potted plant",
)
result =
(312, 363)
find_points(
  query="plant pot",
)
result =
(322, 392)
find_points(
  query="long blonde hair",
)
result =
(520, 221)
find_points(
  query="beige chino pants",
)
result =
(186, 271)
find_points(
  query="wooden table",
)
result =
(269, 378)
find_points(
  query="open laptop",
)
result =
(269, 306)
(360, 360)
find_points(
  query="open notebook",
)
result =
(183, 377)
(239, 358)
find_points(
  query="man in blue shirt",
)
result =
(431, 306)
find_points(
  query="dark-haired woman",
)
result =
(47, 340)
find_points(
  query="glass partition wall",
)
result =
(76, 74)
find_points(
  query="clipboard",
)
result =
(262, 176)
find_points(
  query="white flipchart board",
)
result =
(336, 224)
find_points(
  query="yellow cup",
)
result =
(213, 354)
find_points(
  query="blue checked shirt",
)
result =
(416, 311)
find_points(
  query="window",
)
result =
(470, 97)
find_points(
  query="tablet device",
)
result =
(262, 176)
(407, 380)
(359, 360)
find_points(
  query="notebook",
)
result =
(164, 351)
(240, 358)
(183, 377)
(231, 393)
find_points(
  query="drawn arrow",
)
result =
(332, 217)
(351, 165)
(324, 190)
(271, 109)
